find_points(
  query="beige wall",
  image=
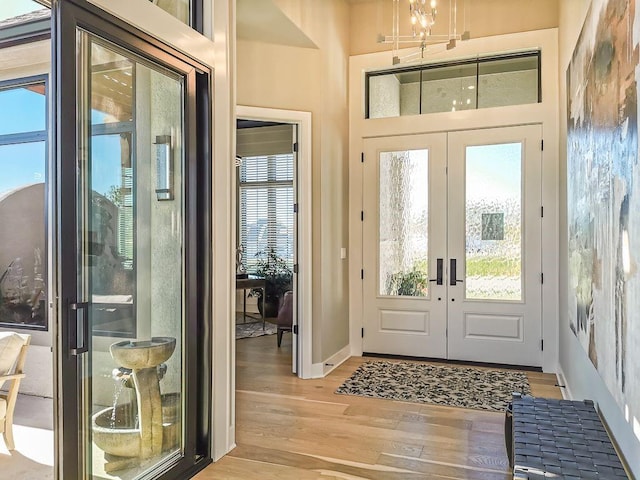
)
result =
(482, 18)
(313, 80)
(581, 377)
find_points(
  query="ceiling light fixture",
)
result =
(422, 18)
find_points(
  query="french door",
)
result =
(452, 245)
(131, 244)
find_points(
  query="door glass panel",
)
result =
(130, 217)
(403, 223)
(494, 222)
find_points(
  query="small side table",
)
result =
(245, 284)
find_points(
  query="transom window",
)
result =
(495, 81)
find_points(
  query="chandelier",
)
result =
(422, 18)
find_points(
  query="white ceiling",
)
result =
(262, 21)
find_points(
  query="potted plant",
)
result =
(411, 283)
(277, 275)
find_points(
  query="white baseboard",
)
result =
(317, 371)
(564, 386)
(320, 370)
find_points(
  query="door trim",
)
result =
(303, 188)
(545, 113)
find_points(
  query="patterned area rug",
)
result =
(441, 385)
(254, 329)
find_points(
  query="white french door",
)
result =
(452, 245)
(405, 243)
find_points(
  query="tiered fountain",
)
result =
(156, 426)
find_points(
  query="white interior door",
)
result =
(452, 245)
(495, 301)
(404, 227)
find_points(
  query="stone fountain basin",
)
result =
(124, 441)
(143, 354)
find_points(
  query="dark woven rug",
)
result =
(440, 385)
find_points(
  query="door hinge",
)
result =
(542, 211)
(295, 147)
(295, 268)
(362, 215)
(362, 274)
(295, 208)
(542, 345)
(362, 157)
(542, 145)
(542, 278)
(362, 332)
(295, 329)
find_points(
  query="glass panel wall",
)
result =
(131, 261)
(23, 160)
(403, 248)
(449, 87)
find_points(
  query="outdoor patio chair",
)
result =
(13, 351)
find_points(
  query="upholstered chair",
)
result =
(284, 320)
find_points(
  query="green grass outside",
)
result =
(492, 267)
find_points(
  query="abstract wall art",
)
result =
(603, 196)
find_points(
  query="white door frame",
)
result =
(303, 188)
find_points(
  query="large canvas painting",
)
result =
(604, 198)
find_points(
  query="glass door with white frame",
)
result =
(494, 248)
(404, 246)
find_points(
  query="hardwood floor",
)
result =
(292, 429)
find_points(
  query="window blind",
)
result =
(266, 207)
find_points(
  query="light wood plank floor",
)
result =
(294, 429)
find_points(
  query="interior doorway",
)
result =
(452, 245)
(266, 253)
(273, 267)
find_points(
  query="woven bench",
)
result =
(559, 438)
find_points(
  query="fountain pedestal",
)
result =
(149, 411)
(147, 440)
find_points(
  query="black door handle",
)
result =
(453, 281)
(439, 269)
(79, 327)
